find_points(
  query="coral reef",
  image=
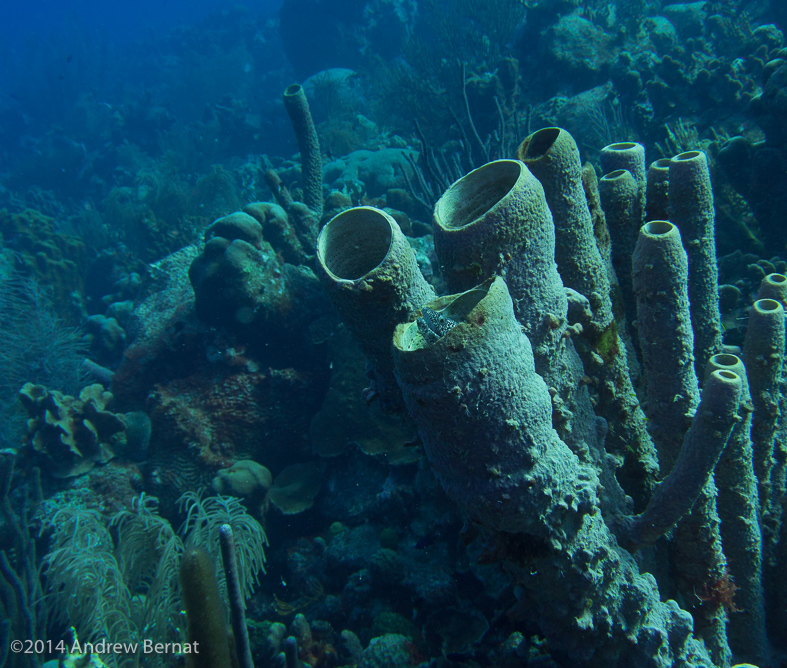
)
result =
(245, 479)
(240, 282)
(294, 489)
(207, 421)
(477, 433)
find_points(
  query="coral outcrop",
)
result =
(241, 283)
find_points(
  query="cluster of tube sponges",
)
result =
(526, 407)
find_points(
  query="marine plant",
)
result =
(680, 136)
(456, 56)
(204, 518)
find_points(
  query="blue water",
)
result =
(119, 21)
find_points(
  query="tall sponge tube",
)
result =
(763, 354)
(485, 415)
(311, 159)
(716, 416)
(660, 275)
(552, 156)
(691, 209)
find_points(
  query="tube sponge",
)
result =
(204, 611)
(372, 278)
(740, 526)
(657, 190)
(660, 275)
(691, 209)
(763, 354)
(485, 417)
(240, 632)
(774, 286)
(553, 157)
(311, 160)
(627, 155)
(619, 194)
(686, 500)
(716, 416)
(495, 221)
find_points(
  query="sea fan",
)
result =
(35, 346)
(152, 582)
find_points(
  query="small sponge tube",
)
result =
(713, 423)
(371, 275)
